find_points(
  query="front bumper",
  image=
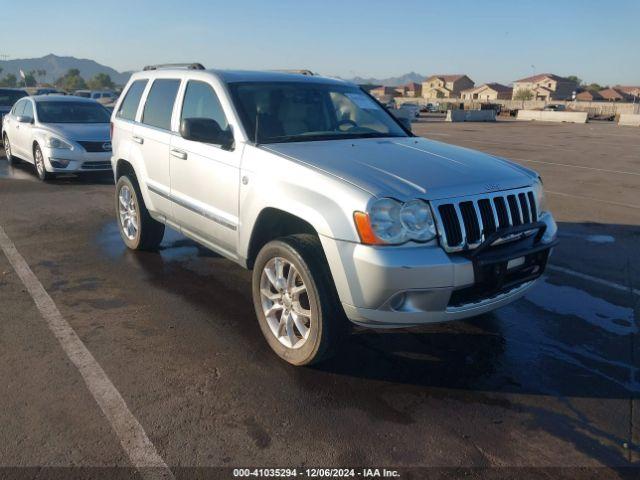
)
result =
(76, 160)
(414, 285)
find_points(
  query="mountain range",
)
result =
(56, 66)
(389, 82)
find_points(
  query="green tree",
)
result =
(523, 94)
(10, 80)
(101, 81)
(594, 87)
(71, 81)
(30, 79)
(575, 78)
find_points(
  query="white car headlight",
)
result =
(538, 189)
(417, 219)
(392, 222)
(55, 142)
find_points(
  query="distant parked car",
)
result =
(430, 108)
(58, 134)
(555, 107)
(412, 108)
(48, 91)
(96, 94)
(8, 97)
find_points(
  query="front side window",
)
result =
(159, 105)
(129, 105)
(72, 112)
(200, 101)
(304, 111)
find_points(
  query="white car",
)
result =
(343, 215)
(58, 134)
(413, 109)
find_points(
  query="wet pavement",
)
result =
(549, 381)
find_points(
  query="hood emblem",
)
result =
(492, 187)
(106, 146)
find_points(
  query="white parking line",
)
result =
(601, 281)
(617, 204)
(134, 440)
(622, 172)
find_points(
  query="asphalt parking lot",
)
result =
(550, 381)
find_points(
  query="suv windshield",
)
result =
(72, 112)
(9, 97)
(303, 111)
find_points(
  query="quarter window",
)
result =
(159, 106)
(200, 101)
(130, 103)
(19, 108)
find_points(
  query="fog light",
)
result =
(398, 301)
(59, 162)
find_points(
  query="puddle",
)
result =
(600, 239)
(566, 300)
(22, 171)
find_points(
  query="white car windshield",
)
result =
(277, 112)
(72, 112)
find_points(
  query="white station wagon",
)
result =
(343, 215)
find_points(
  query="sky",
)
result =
(490, 40)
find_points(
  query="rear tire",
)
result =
(296, 300)
(7, 150)
(138, 229)
(41, 168)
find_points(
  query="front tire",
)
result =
(138, 230)
(296, 301)
(41, 168)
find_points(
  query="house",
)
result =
(633, 91)
(614, 95)
(488, 91)
(383, 91)
(589, 96)
(546, 86)
(411, 89)
(446, 86)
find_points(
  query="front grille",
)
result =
(97, 165)
(465, 223)
(96, 146)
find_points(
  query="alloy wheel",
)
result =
(128, 212)
(7, 148)
(39, 162)
(285, 302)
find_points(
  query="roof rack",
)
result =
(188, 66)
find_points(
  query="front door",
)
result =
(205, 177)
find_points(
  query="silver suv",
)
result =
(341, 213)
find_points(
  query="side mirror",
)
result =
(206, 130)
(406, 122)
(25, 119)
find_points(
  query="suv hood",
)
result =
(97, 132)
(408, 167)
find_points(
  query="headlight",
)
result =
(55, 142)
(392, 222)
(539, 192)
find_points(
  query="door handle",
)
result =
(137, 139)
(178, 154)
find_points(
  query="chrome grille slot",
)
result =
(464, 223)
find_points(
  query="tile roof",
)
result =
(541, 76)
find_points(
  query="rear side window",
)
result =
(159, 106)
(28, 109)
(200, 101)
(129, 105)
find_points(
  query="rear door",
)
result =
(205, 177)
(11, 126)
(153, 137)
(24, 133)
